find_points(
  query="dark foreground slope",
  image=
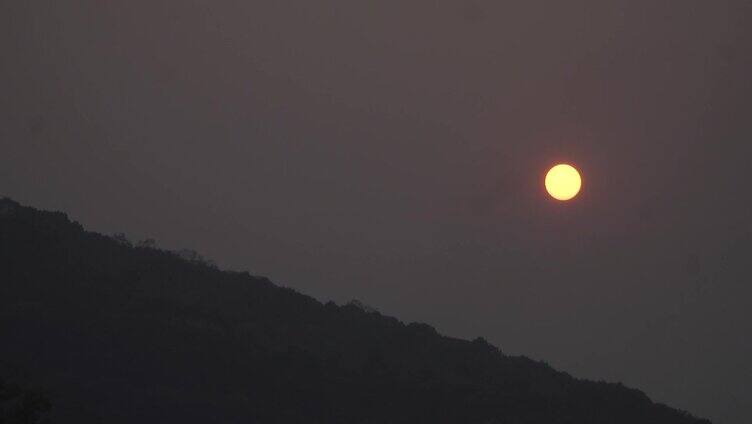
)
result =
(122, 334)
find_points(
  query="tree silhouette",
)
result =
(22, 406)
(137, 334)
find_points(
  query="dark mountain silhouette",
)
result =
(118, 333)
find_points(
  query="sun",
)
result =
(563, 182)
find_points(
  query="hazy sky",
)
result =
(394, 151)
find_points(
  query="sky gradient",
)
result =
(395, 152)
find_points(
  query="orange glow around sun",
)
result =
(563, 182)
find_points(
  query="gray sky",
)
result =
(394, 152)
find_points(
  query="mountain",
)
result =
(118, 333)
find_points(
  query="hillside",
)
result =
(122, 334)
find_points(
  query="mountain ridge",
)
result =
(123, 333)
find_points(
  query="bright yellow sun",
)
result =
(563, 182)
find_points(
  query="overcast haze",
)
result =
(394, 152)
